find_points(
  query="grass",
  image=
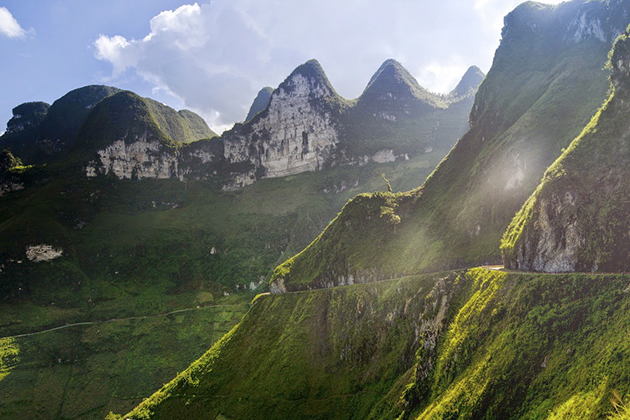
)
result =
(478, 344)
(83, 372)
(134, 248)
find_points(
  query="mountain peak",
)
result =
(260, 102)
(393, 80)
(314, 73)
(391, 73)
(469, 82)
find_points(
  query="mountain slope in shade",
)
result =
(53, 135)
(540, 90)
(260, 102)
(469, 83)
(395, 113)
(578, 217)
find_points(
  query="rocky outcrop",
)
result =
(553, 245)
(296, 133)
(138, 160)
(43, 252)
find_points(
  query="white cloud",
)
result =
(215, 57)
(10, 27)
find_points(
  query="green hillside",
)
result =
(39, 133)
(478, 344)
(85, 371)
(137, 248)
(539, 93)
(577, 219)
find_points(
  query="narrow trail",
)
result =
(76, 324)
(486, 267)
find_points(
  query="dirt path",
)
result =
(76, 324)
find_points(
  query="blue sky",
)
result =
(213, 57)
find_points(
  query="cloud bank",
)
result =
(10, 27)
(215, 57)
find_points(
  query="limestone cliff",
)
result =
(298, 130)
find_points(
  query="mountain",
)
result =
(469, 83)
(306, 126)
(577, 219)
(297, 132)
(134, 137)
(539, 93)
(133, 225)
(471, 343)
(395, 116)
(260, 102)
(39, 133)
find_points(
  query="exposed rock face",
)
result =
(139, 160)
(554, 245)
(39, 253)
(296, 133)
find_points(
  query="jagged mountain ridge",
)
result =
(536, 97)
(307, 126)
(577, 219)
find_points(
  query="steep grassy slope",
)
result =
(135, 248)
(539, 93)
(184, 126)
(165, 235)
(577, 219)
(476, 345)
(127, 116)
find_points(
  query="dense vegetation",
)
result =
(464, 344)
(479, 344)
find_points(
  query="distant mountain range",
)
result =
(303, 125)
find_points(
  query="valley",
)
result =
(402, 255)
